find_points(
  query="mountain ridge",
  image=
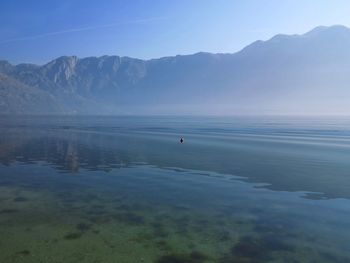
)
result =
(255, 79)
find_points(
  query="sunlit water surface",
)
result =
(123, 189)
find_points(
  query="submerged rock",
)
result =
(71, 236)
(24, 252)
(194, 257)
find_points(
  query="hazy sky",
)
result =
(40, 30)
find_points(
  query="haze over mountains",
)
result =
(288, 74)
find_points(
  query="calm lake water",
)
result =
(123, 189)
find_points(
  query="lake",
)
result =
(124, 189)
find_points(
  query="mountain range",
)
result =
(287, 74)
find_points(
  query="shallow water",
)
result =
(123, 189)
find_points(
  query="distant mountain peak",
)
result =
(335, 29)
(323, 35)
(5, 66)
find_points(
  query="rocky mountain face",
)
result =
(16, 97)
(288, 74)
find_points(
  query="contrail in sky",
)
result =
(79, 29)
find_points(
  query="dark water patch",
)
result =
(138, 207)
(72, 236)
(109, 243)
(116, 199)
(315, 196)
(249, 247)
(230, 259)
(181, 207)
(24, 252)
(160, 232)
(88, 198)
(142, 237)
(162, 217)
(123, 207)
(191, 246)
(174, 169)
(130, 218)
(241, 222)
(197, 256)
(224, 236)
(275, 243)
(83, 227)
(194, 257)
(100, 219)
(219, 220)
(278, 232)
(163, 245)
(68, 200)
(157, 224)
(277, 227)
(20, 199)
(200, 225)
(8, 211)
(264, 228)
(7, 183)
(257, 249)
(182, 224)
(66, 197)
(332, 258)
(97, 210)
(202, 222)
(98, 207)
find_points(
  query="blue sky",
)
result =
(38, 31)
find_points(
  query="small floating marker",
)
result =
(181, 140)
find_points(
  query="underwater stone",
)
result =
(71, 236)
(194, 257)
(24, 252)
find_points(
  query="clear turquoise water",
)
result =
(123, 189)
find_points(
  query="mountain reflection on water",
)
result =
(279, 154)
